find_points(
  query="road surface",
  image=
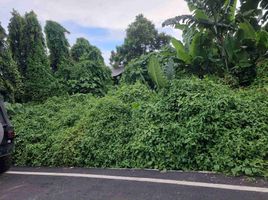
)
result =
(111, 184)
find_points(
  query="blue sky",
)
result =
(103, 38)
(102, 22)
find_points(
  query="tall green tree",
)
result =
(15, 40)
(26, 37)
(10, 79)
(141, 38)
(83, 47)
(57, 44)
(33, 40)
(39, 82)
(26, 40)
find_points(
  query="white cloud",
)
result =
(112, 14)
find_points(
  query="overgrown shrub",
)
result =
(133, 93)
(262, 74)
(198, 124)
(137, 69)
(87, 73)
(192, 125)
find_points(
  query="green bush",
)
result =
(191, 125)
(200, 125)
(262, 75)
(86, 76)
(133, 93)
(137, 69)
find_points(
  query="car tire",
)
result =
(5, 163)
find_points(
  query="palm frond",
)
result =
(189, 20)
(177, 20)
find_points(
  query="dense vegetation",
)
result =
(218, 39)
(30, 73)
(10, 79)
(193, 125)
(196, 104)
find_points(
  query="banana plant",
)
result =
(198, 55)
(156, 73)
(216, 17)
(223, 22)
(244, 49)
(210, 14)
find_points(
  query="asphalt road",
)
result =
(108, 184)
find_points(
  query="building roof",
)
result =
(117, 71)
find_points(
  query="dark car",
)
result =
(7, 136)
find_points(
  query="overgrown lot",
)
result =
(192, 125)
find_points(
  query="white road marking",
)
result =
(148, 180)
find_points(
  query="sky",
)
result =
(102, 22)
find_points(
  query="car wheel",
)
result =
(5, 163)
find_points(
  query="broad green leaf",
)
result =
(248, 30)
(200, 15)
(195, 48)
(230, 5)
(248, 13)
(232, 10)
(181, 52)
(229, 46)
(262, 39)
(156, 73)
(248, 171)
(181, 26)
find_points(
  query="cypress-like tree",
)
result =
(10, 79)
(33, 61)
(57, 44)
(33, 40)
(39, 82)
(15, 37)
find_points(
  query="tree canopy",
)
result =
(15, 40)
(10, 79)
(27, 45)
(57, 43)
(87, 73)
(196, 104)
(141, 38)
(82, 47)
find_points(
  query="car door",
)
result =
(1, 132)
(4, 121)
